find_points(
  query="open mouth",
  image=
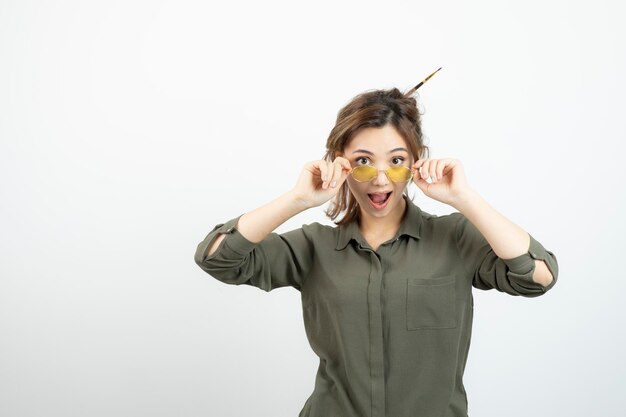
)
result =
(379, 199)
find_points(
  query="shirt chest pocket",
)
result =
(431, 303)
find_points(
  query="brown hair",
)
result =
(377, 109)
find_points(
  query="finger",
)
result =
(340, 172)
(440, 168)
(336, 174)
(441, 164)
(331, 174)
(424, 171)
(346, 166)
(432, 169)
(345, 170)
(418, 167)
(341, 161)
(324, 172)
(421, 183)
(420, 171)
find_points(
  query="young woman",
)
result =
(387, 293)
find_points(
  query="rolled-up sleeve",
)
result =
(488, 271)
(279, 260)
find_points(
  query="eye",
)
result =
(359, 158)
(400, 158)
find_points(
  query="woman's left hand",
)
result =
(448, 179)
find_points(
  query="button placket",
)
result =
(377, 364)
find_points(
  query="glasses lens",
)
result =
(399, 174)
(364, 173)
(367, 173)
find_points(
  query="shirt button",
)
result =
(229, 229)
(533, 254)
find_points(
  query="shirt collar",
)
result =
(410, 225)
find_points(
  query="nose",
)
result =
(381, 178)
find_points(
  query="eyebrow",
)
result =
(391, 151)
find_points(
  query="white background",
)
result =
(129, 129)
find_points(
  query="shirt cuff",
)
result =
(523, 266)
(235, 241)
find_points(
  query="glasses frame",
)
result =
(386, 171)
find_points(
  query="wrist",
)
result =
(298, 201)
(464, 199)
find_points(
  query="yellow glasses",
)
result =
(365, 173)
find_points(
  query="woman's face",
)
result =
(382, 148)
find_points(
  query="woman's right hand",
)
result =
(314, 186)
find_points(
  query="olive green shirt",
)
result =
(391, 327)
